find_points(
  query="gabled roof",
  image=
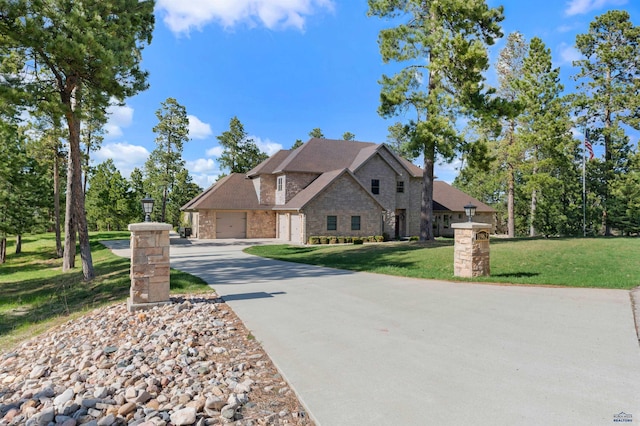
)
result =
(322, 155)
(270, 164)
(232, 192)
(316, 187)
(452, 199)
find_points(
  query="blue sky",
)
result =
(284, 67)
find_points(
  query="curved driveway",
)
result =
(368, 349)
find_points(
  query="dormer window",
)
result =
(375, 186)
(280, 180)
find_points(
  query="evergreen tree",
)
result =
(398, 139)
(298, 143)
(444, 47)
(88, 49)
(240, 153)
(165, 162)
(545, 130)
(610, 89)
(108, 199)
(316, 133)
(348, 136)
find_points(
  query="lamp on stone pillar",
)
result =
(470, 211)
(147, 207)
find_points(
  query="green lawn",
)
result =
(574, 262)
(35, 295)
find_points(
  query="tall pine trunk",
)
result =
(18, 244)
(534, 198)
(56, 202)
(3, 249)
(426, 204)
(75, 194)
(511, 217)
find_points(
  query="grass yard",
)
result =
(575, 262)
(35, 295)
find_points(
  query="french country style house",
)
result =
(326, 188)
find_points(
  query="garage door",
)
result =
(231, 225)
(296, 234)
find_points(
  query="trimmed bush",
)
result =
(379, 238)
(414, 238)
(348, 240)
(324, 240)
(358, 241)
(333, 240)
(341, 240)
(314, 240)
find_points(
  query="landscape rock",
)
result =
(185, 363)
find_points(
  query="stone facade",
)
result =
(338, 200)
(207, 224)
(261, 224)
(149, 265)
(471, 250)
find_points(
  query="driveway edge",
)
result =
(634, 295)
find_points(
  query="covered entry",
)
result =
(231, 225)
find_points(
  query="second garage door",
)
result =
(231, 225)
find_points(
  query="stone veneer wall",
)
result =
(294, 183)
(471, 254)
(267, 189)
(149, 264)
(338, 200)
(261, 224)
(207, 224)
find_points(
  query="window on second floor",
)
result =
(280, 179)
(332, 223)
(355, 223)
(400, 186)
(375, 186)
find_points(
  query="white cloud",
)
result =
(267, 145)
(202, 165)
(125, 156)
(568, 54)
(216, 151)
(580, 7)
(183, 15)
(198, 129)
(119, 116)
(204, 171)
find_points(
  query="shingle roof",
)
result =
(452, 199)
(322, 155)
(316, 187)
(233, 192)
(270, 164)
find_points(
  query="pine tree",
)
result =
(610, 88)
(443, 45)
(240, 153)
(172, 131)
(89, 49)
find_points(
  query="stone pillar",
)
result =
(471, 250)
(149, 265)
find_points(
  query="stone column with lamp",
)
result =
(149, 262)
(471, 250)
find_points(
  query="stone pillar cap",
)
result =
(150, 226)
(467, 225)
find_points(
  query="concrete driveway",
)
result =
(367, 349)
